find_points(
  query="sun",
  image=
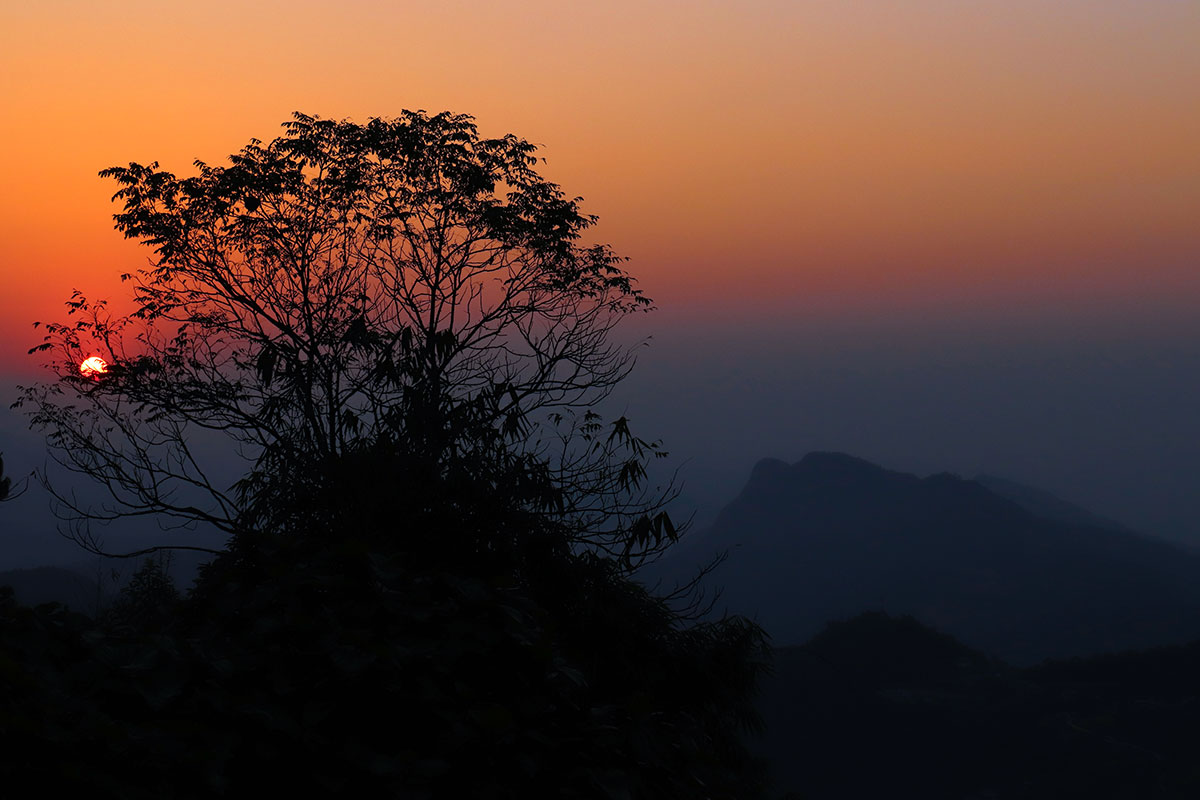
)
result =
(93, 367)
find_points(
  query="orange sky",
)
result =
(764, 158)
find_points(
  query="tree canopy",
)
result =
(5, 482)
(427, 586)
(401, 286)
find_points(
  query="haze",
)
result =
(937, 235)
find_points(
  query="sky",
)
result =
(939, 235)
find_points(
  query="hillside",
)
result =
(833, 536)
(51, 585)
(879, 706)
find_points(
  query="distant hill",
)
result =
(39, 585)
(876, 703)
(833, 536)
(84, 585)
(1043, 504)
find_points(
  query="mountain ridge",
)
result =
(832, 535)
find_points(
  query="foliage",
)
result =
(427, 588)
(401, 283)
(301, 664)
(6, 485)
(149, 599)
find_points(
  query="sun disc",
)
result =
(93, 367)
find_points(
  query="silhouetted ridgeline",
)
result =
(886, 707)
(52, 585)
(833, 536)
(87, 586)
(1042, 504)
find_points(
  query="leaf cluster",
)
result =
(403, 283)
(345, 669)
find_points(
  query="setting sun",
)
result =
(93, 367)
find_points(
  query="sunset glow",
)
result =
(93, 367)
(834, 160)
(472, 398)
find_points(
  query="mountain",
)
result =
(38, 585)
(1043, 504)
(832, 536)
(876, 703)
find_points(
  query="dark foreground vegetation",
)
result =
(428, 586)
(347, 670)
(428, 589)
(347, 673)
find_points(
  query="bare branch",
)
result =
(402, 283)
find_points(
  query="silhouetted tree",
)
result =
(6, 484)
(149, 599)
(427, 589)
(401, 284)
